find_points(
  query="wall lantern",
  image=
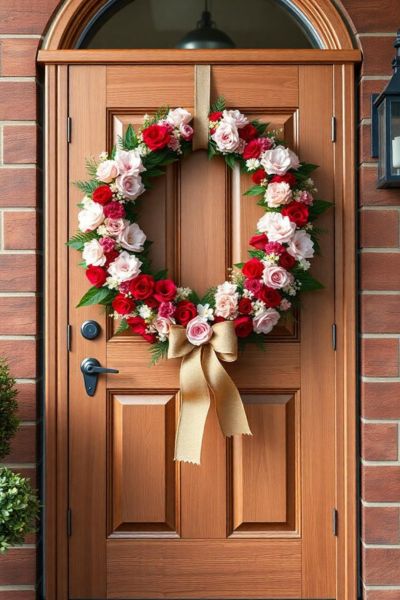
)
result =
(386, 127)
(206, 35)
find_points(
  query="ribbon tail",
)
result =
(230, 410)
(195, 402)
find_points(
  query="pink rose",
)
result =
(236, 117)
(304, 197)
(125, 267)
(276, 277)
(226, 305)
(278, 228)
(162, 325)
(107, 171)
(114, 226)
(129, 162)
(301, 245)
(278, 194)
(266, 320)
(279, 160)
(198, 331)
(226, 137)
(186, 131)
(130, 186)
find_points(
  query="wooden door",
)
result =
(255, 519)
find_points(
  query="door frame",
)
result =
(56, 64)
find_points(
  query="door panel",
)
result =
(254, 520)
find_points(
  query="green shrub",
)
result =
(19, 508)
(8, 408)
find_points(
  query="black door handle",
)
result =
(91, 368)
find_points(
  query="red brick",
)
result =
(23, 445)
(381, 566)
(18, 57)
(20, 144)
(366, 88)
(20, 232)
(18, 566)
(18, 187)
(380, 313)
(378, 53)
(380, 357)
(381, 484)
(373, 15)
(380, 271)
(379, 229)
(370, 195)
(21, 356)
(25, 16)
(365, 144)
(380, 400)
(26, 398)
(18, 100)
(18, 316)
(18, 273)
(381, 525)
(382, 595)
(17, 595)
(379, 441)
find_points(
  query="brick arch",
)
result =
(322, 17)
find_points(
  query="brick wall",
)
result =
(374, 23)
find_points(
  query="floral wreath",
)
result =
(115, 250)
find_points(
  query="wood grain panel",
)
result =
(143, 473)
(140, 85)
(209, 569)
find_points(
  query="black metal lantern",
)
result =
(386, 127)
(206, 35)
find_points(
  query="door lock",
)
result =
(91, 369)
(90, 330)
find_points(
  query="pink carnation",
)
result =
(114, 210)
(166, 310)
(108, 244)
(274, 248)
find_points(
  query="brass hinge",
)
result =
(69, 129)
(333, 130)
(335, 521)
(69, 336)
(334, 336)
(69, 522)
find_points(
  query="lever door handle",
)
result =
(91, 369)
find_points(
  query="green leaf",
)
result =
(239, 265)
(91, 166)
(257, 254)
(308, 283)
(158, 351)
(130, 139)
(230, 160)
(161, 274)
(87, 187)
(219, 105)
(96, 296)
(318, 207)
(261, 127)
(256, 190)
(209, 297)
(79, 239)
(304, 171)
(123, 326)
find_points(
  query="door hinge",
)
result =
(69, 129)
(334, 336)
(69, 337)
(333, 129)
(335, 521)
(69, 522)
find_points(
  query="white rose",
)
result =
(114, 227)
(125, 267)
(227, 288)
(301, 245)
(235, 117)
(226, 136)
(132, 238)
(107, 171)
(178, 117)
(93, 254)
(91, 216)
(266, 320)
(278, 228)
(278, 194)
(226, 305)
(130, 186)
(279, 160)
(129, 162)
(276, 277)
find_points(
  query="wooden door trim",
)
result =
(56, 355)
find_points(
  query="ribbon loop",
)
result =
(201, 374)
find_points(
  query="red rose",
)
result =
(137, 324)
(219, 319)
(253, 149)
(215, 116)
(96, 275)
(149, 337)
(253, 268)
(111, 256)
(258, 241)
(271, 297)
(297, 212)
(123, 305)
(248, 132)
(287, 261)
(185, 312)
(244, 306)
(258, 176)
(152, 302)
(102, 194)
(142, 286)
(114, 210)
(156, 136)
(165, 290)
(243, 326)
(288, 178)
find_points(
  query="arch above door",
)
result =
(322, 17)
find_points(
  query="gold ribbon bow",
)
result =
(201, 374)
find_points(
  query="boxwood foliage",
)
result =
(8, 408)
(19, 508)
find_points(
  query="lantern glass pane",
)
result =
(382, 139)
(395, 137)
